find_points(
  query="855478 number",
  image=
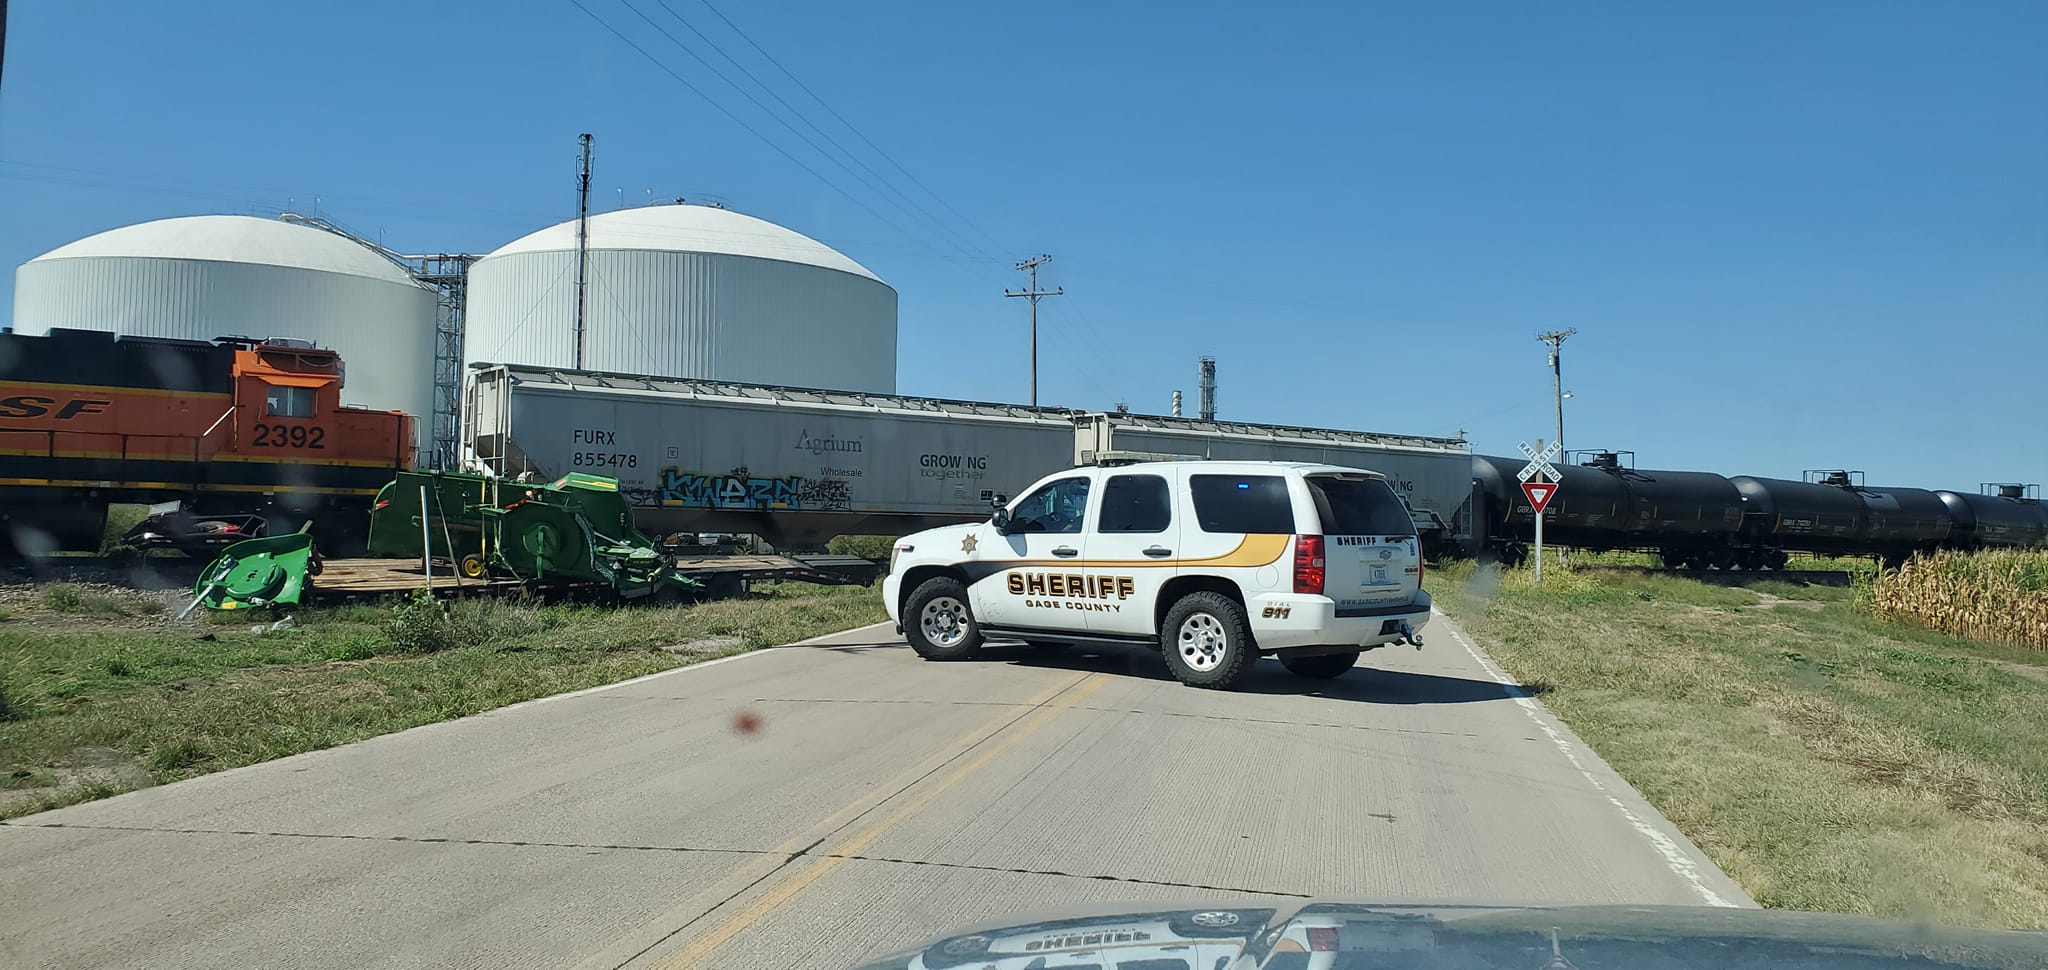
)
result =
(604, 459)
(289, 436)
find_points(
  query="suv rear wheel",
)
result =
(1321, 666)
(938, 623)
(1207, 641)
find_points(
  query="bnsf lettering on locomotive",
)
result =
(36, 406)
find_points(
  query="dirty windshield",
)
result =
(684, 483)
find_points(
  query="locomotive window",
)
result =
(288, 402)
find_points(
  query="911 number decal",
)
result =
(604, 459)
(289, 436)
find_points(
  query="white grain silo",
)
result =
(201, 277)
(687, 291)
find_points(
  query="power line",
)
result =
(736, 119)
(756, 102)
(914, 180)
(13, 170)
(953, 236)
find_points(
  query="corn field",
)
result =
(2000, 597)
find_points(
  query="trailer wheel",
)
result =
(938, 622)
(473, 566)
(723, 586)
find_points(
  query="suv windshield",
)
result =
(1359, 507)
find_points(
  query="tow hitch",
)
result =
(1408, 636)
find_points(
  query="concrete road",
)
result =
(881, 800)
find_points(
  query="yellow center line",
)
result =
(764, 865)
(781, 892)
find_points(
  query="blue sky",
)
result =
(1790, 235)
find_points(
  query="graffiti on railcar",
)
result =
(739, 489)
(828, 494)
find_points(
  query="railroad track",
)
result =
(165, 572)
(1734, 577)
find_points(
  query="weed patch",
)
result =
(1825, 758)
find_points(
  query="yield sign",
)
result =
(1540, 494)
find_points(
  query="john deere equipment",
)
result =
(448, 531)
(270, 571)
(577, 527)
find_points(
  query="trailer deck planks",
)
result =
(721, 575)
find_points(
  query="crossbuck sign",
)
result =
(1540, 491)
(1539, 463)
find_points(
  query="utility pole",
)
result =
(582, 244)
(1556, 339)
(1034, 293)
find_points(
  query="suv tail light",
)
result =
(1308, 564)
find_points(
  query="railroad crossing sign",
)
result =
(1539, 463)
(1542, 490)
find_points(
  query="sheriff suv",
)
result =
(1214, 562)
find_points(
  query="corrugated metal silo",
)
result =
(201, 277)
(689, 292)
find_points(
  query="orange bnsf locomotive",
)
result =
(229, 440)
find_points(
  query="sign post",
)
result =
(1541, 490)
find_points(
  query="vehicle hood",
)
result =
(1335, 933)
(942, 537)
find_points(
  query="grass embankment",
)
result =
(100, 694)
(1824, 758)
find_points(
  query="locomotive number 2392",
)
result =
(289, 436)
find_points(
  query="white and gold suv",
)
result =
(1214, 562)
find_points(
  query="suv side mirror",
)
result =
(1001, 520)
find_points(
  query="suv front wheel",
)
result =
(938, 623)
(1207, 641)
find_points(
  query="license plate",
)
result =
(1379, 576)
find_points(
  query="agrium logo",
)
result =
(829, 443)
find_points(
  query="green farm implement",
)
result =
(458, 534)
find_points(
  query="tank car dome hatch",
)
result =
(690, 292)
(210, 276)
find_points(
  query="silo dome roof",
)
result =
(689, 229)
(235, 239)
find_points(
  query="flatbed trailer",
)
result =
(721, 576)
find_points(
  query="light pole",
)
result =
(1556, 339)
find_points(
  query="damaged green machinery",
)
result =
(574, 531)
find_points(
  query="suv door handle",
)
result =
(1066, 552)
(1158, 552)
